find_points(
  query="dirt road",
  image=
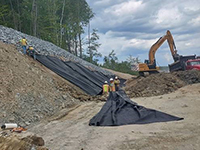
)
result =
(73, 133)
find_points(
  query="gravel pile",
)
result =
(11, 36)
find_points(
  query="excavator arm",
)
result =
(155, 47)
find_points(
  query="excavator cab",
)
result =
(146, 61)
(146, 68)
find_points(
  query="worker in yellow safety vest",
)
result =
(105, 87)
(31, 52)
(112, 85)
(117, 82)
(23, 42)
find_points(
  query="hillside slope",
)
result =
(12, 36)
(29, 91)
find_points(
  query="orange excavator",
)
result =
(149, 66)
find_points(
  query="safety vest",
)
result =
(112, 87)
(105, 88)
(31, 48)
(117, 82)
(23, 42)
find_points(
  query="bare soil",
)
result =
(161, 83)
(72, 131)
(30, 92)
(28, 89)
(21, 74)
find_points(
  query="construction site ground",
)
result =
(59, 112)
(72, 131)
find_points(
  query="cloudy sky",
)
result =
(131, 27)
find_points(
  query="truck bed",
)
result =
(180, 64)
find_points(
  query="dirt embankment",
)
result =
(162, 83)
(29, 91)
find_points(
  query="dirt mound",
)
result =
(162, 83)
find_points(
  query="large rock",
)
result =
(16, 142)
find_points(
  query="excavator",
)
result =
(149, 66)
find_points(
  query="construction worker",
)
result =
(112, 85)
(105, 87)
(31, 52)
(23, 42)
(117, 82)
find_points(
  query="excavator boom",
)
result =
(156, 45)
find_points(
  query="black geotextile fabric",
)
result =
(120, 110)
(89, 81)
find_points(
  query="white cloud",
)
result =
(102, 2)
(109, 43)
(168, 57)
(142, 43)
(123, 9)
(165, 17)
(132, 26)
(195, 22)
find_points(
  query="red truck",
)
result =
(185, 63)
(193, 64)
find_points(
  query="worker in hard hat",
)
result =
(31, 51)
(105, 87)
(112, 85)
(117, 83)
(23, 42)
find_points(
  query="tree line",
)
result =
(61, 22)
(111, 62)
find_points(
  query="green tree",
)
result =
(4, 11)
(133, 60)
(93, 46)
(61, 22)
(76, 16)
(110, 61)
